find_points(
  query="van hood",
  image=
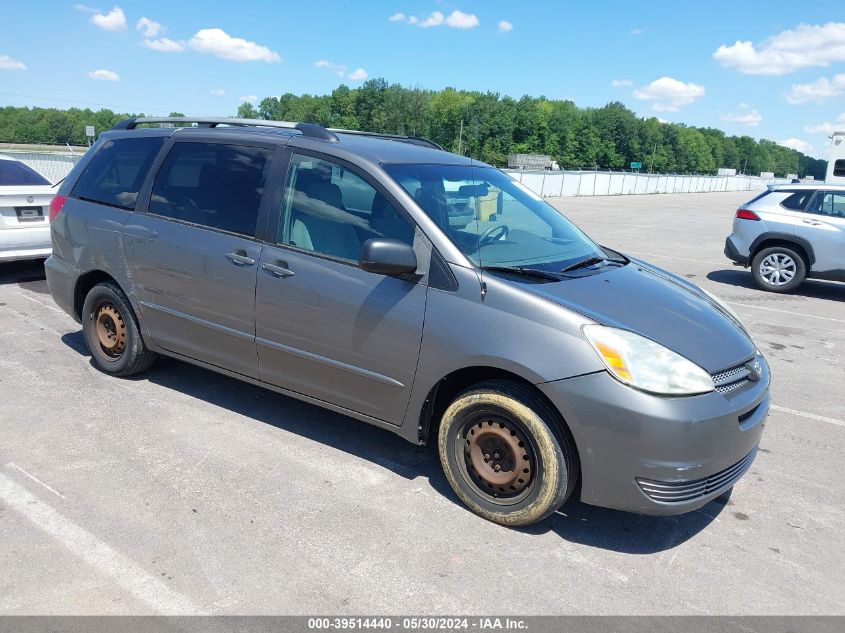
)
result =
(658, 305)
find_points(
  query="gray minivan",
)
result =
(423, 292)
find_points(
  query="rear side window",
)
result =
(13, 172)
(211, 184)
(116, 172)
(839, 168)
(798, 200)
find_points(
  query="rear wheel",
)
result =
(778, 269)
(111, 332)
(506, 454)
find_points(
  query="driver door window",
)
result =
(329, 209)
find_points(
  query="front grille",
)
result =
(730, 379)
(681, 491)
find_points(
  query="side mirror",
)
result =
(387, 257)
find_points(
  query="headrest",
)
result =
(327, 192)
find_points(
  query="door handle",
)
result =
(279, 269)
(240, 258)
(813, 222)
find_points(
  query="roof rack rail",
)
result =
(413, 140)
(310, 130)
(307, 129)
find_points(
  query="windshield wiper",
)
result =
(587, 261)
(525, 272)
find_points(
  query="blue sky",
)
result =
(769, 69)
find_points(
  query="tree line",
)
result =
(484, 125)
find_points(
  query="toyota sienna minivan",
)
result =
(420, 291)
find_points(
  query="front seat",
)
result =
(325, 227)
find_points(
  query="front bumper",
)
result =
(659, 455)
(733, 253)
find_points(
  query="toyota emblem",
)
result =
(30, 199)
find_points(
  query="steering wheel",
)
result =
(492, 234)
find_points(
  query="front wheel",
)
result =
(778, 269)
(506, 454)
(112, 334)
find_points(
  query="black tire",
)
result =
(497, 417)
(107, 311)
(772, 265)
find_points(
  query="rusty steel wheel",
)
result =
(498, 458)
(111, 330)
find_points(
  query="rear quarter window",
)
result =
(798, 200)
(116, 172)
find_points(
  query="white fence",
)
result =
(55, 166)
(615, 183)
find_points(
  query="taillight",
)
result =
(745, 214)
(56, 205)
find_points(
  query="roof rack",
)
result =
(310, 130)
(307, 129)
(413, 140)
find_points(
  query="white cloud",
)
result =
(461, 20)
(826, 128)
(669, 94)
(822, 128)
(148, 27)
(621, 83)
(788, 51)
(114, 20)
(797, 144)
(636, 31)
(747, 116)
(102, 73)
(456, 20)
(218, 92)
(505, 26)
(165, 45)
(435, 19)
(8, 63)
(819, 90)
(249, 98)
(359, 74)
(219, 43)
(337, 69)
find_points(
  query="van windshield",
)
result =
(493, 219)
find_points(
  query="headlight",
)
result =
(644, 364)
(724, 306)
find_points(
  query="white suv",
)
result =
(789, 233)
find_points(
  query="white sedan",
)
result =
(25, 197)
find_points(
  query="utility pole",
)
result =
(461, 138)
(653, 152)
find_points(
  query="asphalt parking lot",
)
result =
(183, 491)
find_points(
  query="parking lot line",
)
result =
(126, 573)
(809, 416)
(35, 479)
(789, 312)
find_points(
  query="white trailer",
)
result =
(836, 161)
